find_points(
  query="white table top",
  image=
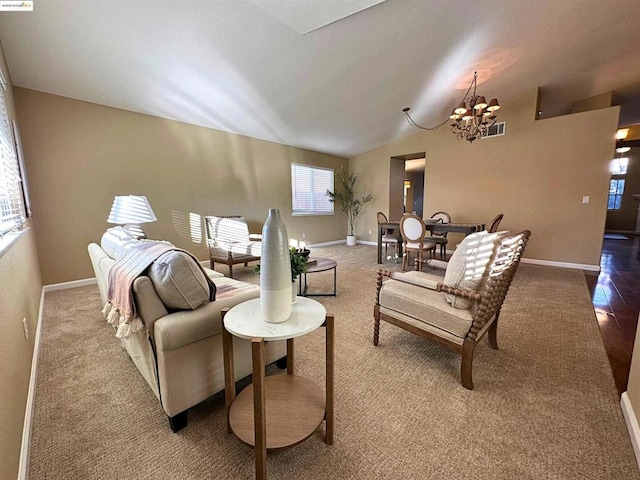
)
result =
(245, 320)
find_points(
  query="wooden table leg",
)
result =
(290, 356)
(229, 373)
(259, 411)
(329, 379)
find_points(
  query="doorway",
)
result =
(406, 184)
(414, 186)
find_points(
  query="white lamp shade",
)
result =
(131, 209)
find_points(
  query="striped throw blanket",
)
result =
(120, 309)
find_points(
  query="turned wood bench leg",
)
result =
(467, 364)
(492, 335)
(376, 324)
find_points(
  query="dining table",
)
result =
(436, 227)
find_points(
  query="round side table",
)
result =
(277, 411)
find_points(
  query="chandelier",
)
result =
(472, 118)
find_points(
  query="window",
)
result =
(309, 187)
(615, 193)
(11, 205)
(619, 168)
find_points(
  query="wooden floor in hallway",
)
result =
(616, 299)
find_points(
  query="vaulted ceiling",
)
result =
(327, 75)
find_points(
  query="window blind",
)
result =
(11, 204)
(309, 187)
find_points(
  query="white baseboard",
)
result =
(632, 425)
(73, 284)
(367, 242)
(326, 244)
(23, 467)
(548, 263)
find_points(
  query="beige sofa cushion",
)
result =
(179, 281)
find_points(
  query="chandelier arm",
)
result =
(412, 122)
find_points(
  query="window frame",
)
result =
(13, 215)
(297, 171)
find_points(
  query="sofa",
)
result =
(178, 350)
(230, 242)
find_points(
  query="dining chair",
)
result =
(493, 227)
(389, 237)
(440, 238)
(413, 231)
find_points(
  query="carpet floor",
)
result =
(544, 405)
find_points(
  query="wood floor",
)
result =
(616, 300)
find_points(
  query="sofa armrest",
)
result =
(148, 304)
(181, 328)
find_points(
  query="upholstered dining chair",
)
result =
(456, 310)
(493, 226)
(413, 231)
(390, 236)
(440, 238)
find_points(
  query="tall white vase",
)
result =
(275, 270)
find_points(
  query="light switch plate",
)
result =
(586, 199)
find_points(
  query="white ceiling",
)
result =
(243, 66)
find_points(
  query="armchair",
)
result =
(456, 310)
(229, 241)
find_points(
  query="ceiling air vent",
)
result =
(496, 130)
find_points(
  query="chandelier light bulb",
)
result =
(493, 105)
(462, 108)
(480, 103)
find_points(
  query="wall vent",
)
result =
(496, 130)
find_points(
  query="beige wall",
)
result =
(603, 100)
(80, 155)
(20, 285)
(536, 175)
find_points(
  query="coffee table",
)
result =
(319, 265)
(282, 410)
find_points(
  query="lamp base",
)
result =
(135, 231)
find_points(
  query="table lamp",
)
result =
(131, 211)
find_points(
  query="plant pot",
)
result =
(351, 240)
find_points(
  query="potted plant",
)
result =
(348, 202)
(298, 266)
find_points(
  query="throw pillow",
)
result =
(468, 266)
(179, 281)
